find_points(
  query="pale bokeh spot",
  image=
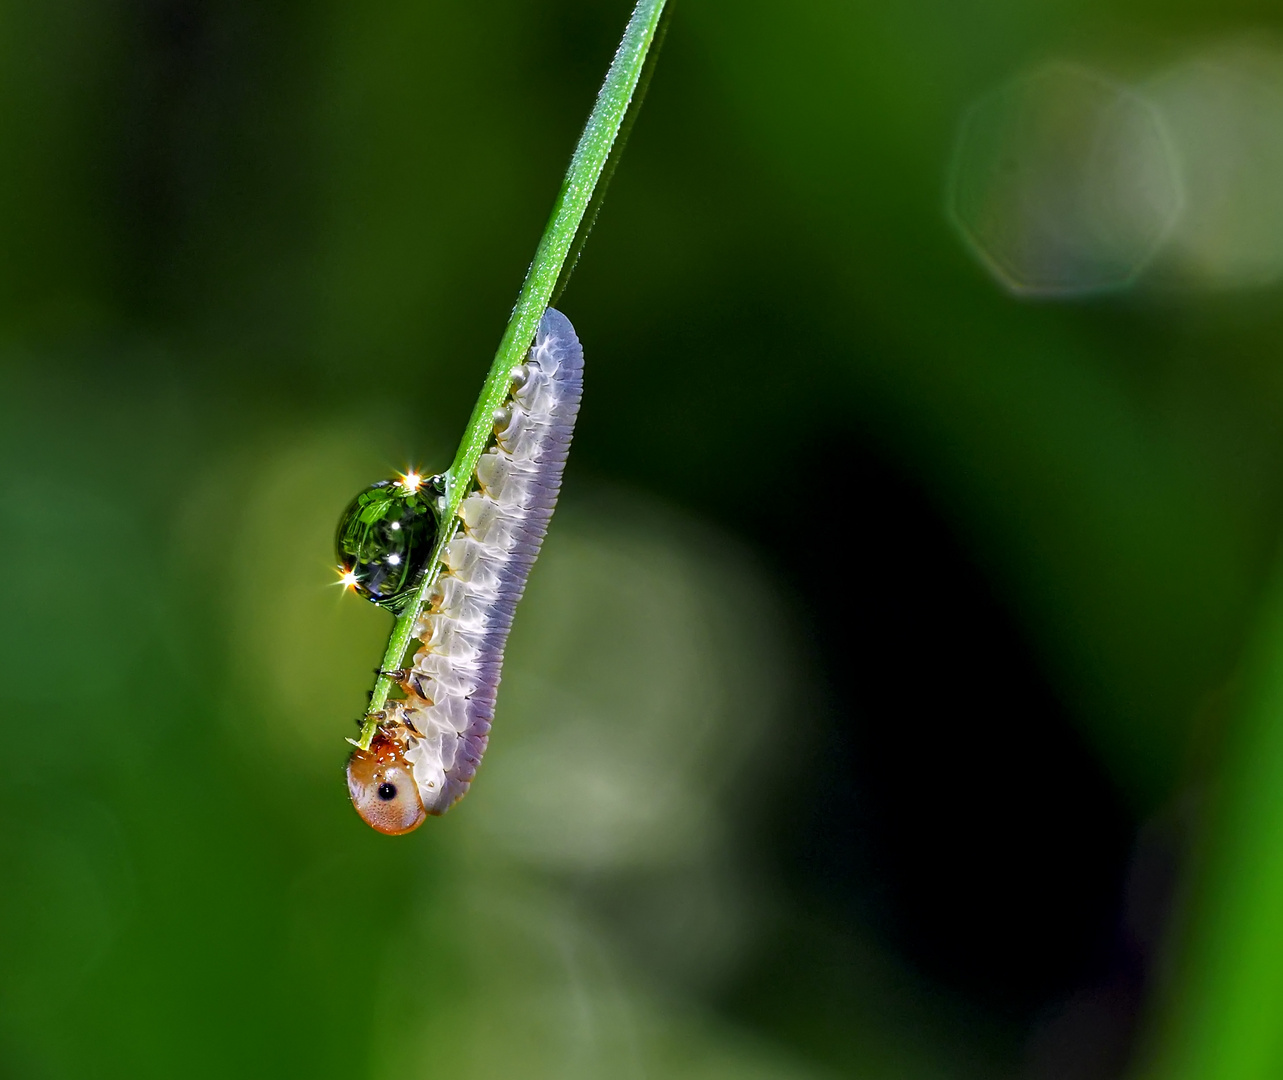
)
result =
(1063, 183)
(1223, 109)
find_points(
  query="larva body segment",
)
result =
(451, 688)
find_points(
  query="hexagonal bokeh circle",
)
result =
(1063, 182)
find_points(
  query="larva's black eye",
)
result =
(387, 792)
(385, 537)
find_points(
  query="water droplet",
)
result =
(384, 540)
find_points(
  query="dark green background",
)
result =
(874, 688)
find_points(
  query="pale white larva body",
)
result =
(452, 684)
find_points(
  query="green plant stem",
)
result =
(1220, 1016)
(617, 103)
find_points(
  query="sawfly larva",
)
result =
(427, 748)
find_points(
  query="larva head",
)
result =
(385, 536)
(382, 787)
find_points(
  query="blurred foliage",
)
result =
(877, 697)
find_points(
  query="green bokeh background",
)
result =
(852, 543)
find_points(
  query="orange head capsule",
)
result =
(382, 786)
